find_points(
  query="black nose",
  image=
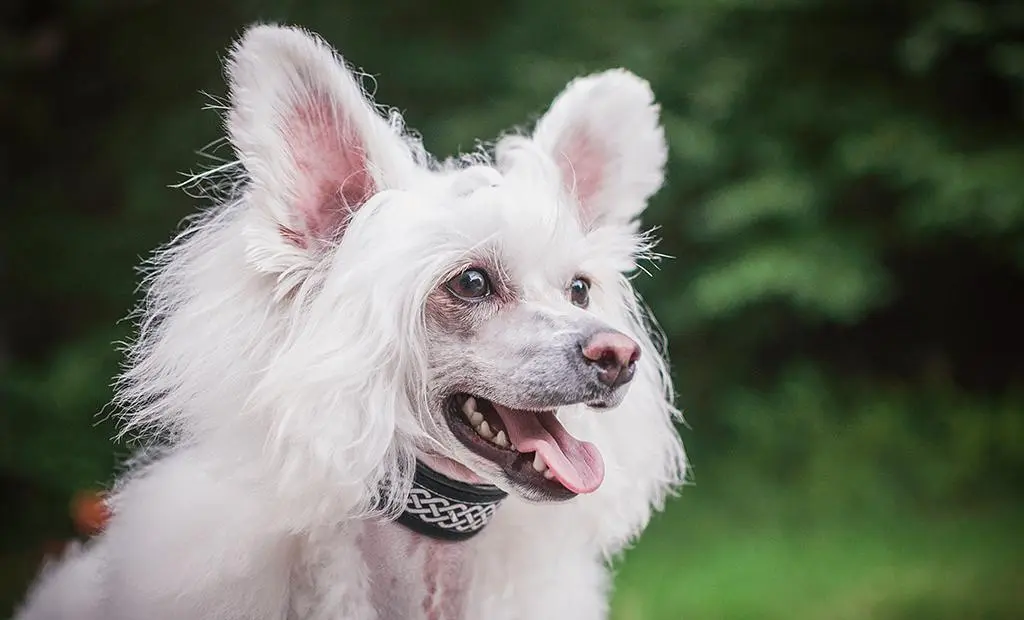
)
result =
(614, 355)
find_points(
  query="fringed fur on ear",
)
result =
(314, 146)
(603, 134)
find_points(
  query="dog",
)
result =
(387, 386)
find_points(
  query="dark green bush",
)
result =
(845, 196)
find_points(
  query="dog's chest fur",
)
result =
(382, 571)
(412, 576)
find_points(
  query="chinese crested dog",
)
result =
(389, 387)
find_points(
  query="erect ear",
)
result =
(604, 134)
(313, 145)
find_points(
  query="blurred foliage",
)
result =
(844, 212)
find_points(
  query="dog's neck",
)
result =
(446, 508)
(450, 468)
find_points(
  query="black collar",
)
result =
(447, 509)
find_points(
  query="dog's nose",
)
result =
(614, 355)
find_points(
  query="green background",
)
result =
(844, 212)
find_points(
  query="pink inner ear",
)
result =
(582, 163)
(332, 179)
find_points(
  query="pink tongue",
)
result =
(576, 464)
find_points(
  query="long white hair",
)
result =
(284, 328)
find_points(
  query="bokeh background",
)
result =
(844, 212)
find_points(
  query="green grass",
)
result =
(693, 564)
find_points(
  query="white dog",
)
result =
(394, 388)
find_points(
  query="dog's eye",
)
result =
(471, 284)
(579, 292)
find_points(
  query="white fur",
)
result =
(283, 349)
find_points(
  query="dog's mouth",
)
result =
(532, 448)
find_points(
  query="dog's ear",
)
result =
(313, 145)
(604, 134)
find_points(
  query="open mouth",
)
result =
(534, 450)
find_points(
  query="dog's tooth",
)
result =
(538, 463)
(469, 407)
(548, 474)
(501, 440)
(485, 430)
(476, 418)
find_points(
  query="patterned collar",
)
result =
(447, 509)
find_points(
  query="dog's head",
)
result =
(384, 306)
